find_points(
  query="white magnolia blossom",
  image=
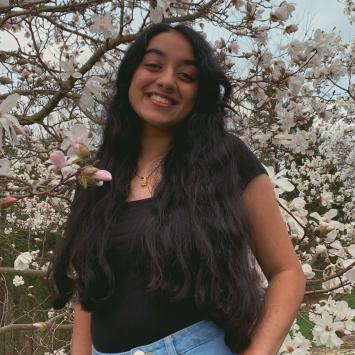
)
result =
(295, 83)
(103, 25)
(335, 282)
(331, 316)
(23, 261)
(308, 272)
(69, 69)
(281, 183)
(160, 10)
(327, 219)
(295, 345)
(297, 142)
(8, 122)
(324, 332)
(337, 249)
(343, 312)
(324, 305)
(4, 166)
(327, 198)
(283, 12)
(18, 281)
(297, 208)
(278, 70)
(285, 117)
(325, 42)
(93, 87)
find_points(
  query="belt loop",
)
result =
(169, 345)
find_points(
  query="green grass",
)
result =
(350, 299)
(305, 325)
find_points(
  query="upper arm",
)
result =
(81, 339)
(269, 236)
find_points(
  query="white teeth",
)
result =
(161, 99)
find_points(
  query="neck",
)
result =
(155, 143)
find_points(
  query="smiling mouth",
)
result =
(161, 100)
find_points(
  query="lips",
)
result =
(161, 100)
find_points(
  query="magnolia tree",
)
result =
(293, 103)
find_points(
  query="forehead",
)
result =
(173, 45)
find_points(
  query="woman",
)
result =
(162, 253)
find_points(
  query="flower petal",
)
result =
(9, 103)
(4, 166)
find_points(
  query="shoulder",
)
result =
(247, 164)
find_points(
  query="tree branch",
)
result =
(28, 272)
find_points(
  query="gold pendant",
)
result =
(144, 181)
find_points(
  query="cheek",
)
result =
(132, 91)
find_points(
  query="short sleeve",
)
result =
(248, 165)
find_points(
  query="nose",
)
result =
(167, 80)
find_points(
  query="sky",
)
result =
(323, 14)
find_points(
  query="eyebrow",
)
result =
(162, 54)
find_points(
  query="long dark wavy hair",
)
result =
(197, 212)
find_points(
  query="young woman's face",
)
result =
(164, 86)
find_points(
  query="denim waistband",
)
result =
(181, 341)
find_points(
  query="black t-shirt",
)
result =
(132, 317)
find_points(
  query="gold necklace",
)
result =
(144, 179)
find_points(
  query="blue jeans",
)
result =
(201, 338)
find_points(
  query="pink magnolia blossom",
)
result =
(7, 201)
(102, 175)
(93, 175)
(39, 325)
(77, 139)
(58, 160)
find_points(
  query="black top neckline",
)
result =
(138, 202)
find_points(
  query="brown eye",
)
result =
(186, 77)
(153, 66)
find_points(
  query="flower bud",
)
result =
(324, 229)
(39, 325)
(81, 150)
(7, 201)
(291, 29)
(102, 175)
(92, 175)
(88, 171)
